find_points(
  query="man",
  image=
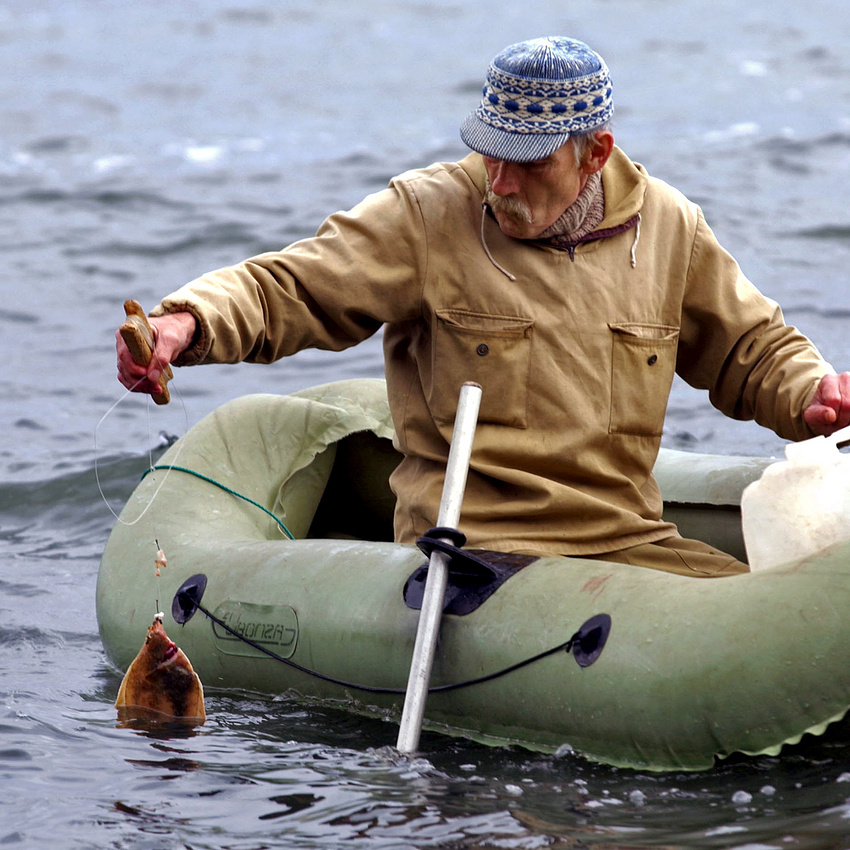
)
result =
(556, 273)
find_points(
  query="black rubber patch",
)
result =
(474, 574)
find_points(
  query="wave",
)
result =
(18, 317)
(805, 145)
(214, 235)
(839, 232)
(34, 637)
(129, 199)
(74, 501)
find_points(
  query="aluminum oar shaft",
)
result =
(428, 629)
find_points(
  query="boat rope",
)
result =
(598, 625)
(226, 489)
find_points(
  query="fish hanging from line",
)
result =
(161, 681)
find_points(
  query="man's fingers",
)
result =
(170, 335)
(830, 407)
(843, 408)
(132, 375)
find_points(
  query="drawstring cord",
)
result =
(504, 271)
(635, 243)
(571, 249)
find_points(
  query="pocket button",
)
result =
(483, 349)
(652, 359)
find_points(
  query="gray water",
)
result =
(143, 144)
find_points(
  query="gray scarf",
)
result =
(582, 217)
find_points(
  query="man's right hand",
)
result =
(173, 333)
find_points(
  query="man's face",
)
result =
(529, 197)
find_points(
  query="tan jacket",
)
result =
(575, 356)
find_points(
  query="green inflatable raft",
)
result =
(628, 666)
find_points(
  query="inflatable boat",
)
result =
(276, 518)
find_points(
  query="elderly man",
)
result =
(552, 270)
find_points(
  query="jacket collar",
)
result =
(624, 182)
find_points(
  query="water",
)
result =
(144, 143)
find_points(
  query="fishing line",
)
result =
(170, 467)
(160, 562)
(167, 467)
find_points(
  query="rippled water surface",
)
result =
(145, 143)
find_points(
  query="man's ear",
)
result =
(598, 152)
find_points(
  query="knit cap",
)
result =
(537, 95)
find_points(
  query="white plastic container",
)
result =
(799, 506)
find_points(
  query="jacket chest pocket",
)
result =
(642, 369)
(494, 351)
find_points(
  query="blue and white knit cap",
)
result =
(537, 94)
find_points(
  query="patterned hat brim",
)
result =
(501, 144)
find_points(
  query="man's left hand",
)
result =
(829, 410)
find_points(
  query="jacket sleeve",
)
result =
(363, 268)
(734, 342)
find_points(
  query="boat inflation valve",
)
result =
(589, 641)
(187, 598)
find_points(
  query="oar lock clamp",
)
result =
(476, 574)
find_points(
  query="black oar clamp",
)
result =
(474, 574)
(435, 538)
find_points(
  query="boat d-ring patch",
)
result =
(188, 598)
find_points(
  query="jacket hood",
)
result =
(624, 182)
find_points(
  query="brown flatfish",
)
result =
(161, 682)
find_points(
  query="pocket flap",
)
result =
(486, 322)
(640, 330)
